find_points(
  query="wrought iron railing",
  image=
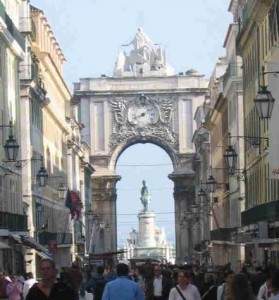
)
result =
(61, 238)
(222, 234)
(13, 222)
(264, 212)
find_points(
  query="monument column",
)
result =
(184, 196)
(104, 205)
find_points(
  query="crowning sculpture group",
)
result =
(145, 52)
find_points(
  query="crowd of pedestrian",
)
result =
(146, 282)
(164, 282)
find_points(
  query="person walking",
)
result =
(184, 289)
(222, 290)
(3, 285)
(97, 284)
(211, 288)
(14, 289)
(28, 283)
(275, 285)
(161, 284)
(122, 287)
(240, 288)
(49, 288)
(75, 278)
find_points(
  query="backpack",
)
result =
(3, 288)
(99, 288)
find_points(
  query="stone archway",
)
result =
(119, 112)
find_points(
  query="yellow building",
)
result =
(257, 44)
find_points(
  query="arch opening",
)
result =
(150, 162)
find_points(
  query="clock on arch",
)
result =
(142, 112)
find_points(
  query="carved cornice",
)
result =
(256, 12)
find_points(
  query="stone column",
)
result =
(184, 196)
(104, 204)
(146, 229)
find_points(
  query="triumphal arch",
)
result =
(143, 102)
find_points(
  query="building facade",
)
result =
(256, 43)
(13, 219)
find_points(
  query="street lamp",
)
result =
(211, 183)
(230, 157)
(264, 100)
(201, 192)
(61, 191)
(42, 175)
(11, 146)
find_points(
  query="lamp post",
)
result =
(61, 191)
(211, 183)
(264, 100)
(42, 175)
(230, 157)
(11, 146)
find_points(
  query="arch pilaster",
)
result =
(104, 206)
(184, 196)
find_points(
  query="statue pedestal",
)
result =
(146, 229)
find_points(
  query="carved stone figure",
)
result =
(144, 52)
(145, 196)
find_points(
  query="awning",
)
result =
(32, 243)
(4, 246)
(43, 255)
(16, 238)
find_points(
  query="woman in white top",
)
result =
(184, 289)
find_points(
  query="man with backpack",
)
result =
(96, 284)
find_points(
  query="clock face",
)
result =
(142, 115)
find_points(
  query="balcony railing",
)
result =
(233, 70)
(13, 222)
(62, 238)
(27, 25)
(11, 27)
(29, 72)
(265, 212)
(222, 234)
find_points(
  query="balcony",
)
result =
(265, 212)
(13, 222)
(62, 238)
(29, 72)
(27, 26)
(11, 27)
(233, 72)
(223, 234)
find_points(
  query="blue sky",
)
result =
(90, 34)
